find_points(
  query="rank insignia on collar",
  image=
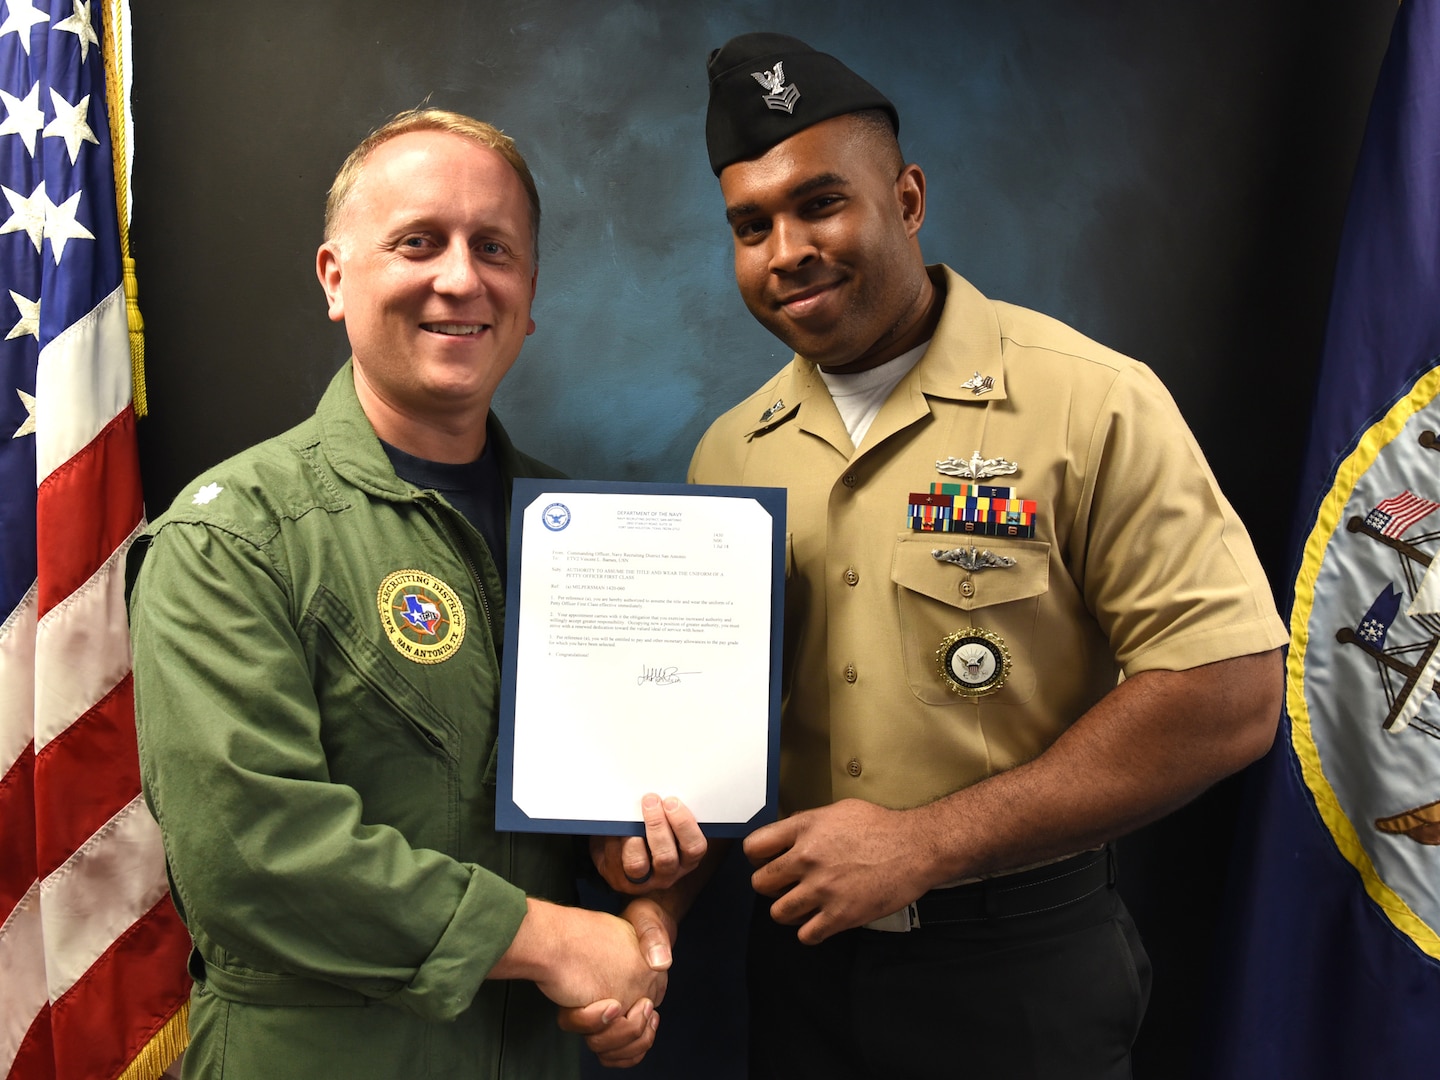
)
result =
(978, 384)
(773, 410)
(780, 97)
(972, 559)
(973, 662)
(977, 468)
(206, 494)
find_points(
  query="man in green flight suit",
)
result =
(317, 634)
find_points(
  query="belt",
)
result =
(266, 988)
(1028, 892)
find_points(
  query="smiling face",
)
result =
(826, 255)
(431, 267)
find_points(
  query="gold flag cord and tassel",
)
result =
(170, 1041)
(116, 100)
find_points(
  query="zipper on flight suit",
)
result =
(442, 512)
(458, 542)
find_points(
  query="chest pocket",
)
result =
(382, 736)
(936, 598)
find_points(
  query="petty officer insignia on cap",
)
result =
(421, 615)
(741, 123)
(780, 96)
(973, 662)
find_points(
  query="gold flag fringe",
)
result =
(115, 99)
(160, 1052)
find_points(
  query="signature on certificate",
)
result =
(660, 676)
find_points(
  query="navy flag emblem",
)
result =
(1364, 665)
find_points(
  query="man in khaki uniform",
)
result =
(992, 520)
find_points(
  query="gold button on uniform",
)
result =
(967, 589)
(854, 767)
(851, 577)
(850, 674)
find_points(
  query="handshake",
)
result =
(829, 869)
(608, 974)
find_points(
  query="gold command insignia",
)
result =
(422, 616)
(973, 662)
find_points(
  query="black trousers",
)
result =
(1056, 994)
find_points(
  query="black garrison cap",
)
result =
(766, 87)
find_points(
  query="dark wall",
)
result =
(1169, 178)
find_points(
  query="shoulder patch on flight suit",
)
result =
(421, 615)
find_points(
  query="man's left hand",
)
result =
(619, 1041)
(836, 867)
(672, 846)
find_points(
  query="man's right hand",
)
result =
(577, 957)
(621, 1039)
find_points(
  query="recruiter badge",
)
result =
(422, 616)
(973, 662)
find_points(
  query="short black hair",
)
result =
(875, 125)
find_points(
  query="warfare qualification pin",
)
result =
(973, 662)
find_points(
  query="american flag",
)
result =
(1393, 516)
(92, 954)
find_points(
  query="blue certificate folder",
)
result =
(561, 753)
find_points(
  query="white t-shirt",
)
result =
(859, 395)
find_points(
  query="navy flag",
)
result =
(1334, 962)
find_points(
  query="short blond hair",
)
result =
(428, 119)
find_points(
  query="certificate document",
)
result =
(642, 653)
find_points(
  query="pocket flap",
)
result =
(375, 669)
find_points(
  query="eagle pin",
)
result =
(973, 662)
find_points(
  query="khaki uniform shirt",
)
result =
(1137, 561)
